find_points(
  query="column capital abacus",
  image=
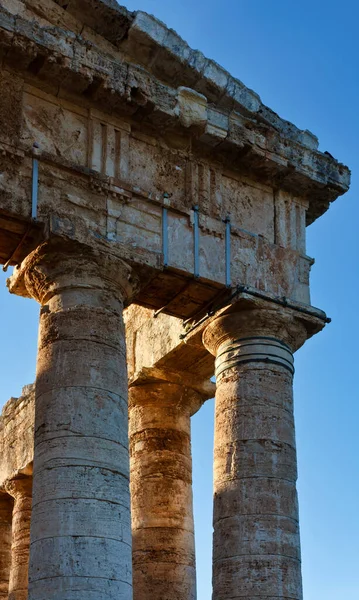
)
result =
(19, 487)
(58, 265)
(193, 390)
(166, 394)
(278, 325)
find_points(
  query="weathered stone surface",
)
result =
(157, 351)
(5, 545)
(192, 108)
(161, 490)
(135, 172)
(134, 120)
(256, 546)
(105, 17)
(81, 445)
(17, 436)
(21, 491)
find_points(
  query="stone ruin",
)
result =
(156, 210)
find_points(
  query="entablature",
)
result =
(190, 226)
(134, 143)
(149, 74)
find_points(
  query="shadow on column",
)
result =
(6, 507)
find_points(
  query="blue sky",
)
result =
(303, 60)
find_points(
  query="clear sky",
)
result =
(303, 59)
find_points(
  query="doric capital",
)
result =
(204, 387)
(59, 265)
(163, 395)
(281, 326)
(19, 488)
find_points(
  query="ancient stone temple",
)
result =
(156, 210)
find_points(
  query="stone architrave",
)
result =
(5, 543)
(80, 529)
(161, 490)
(21, 491)
(256, 523)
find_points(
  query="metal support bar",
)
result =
(228, 251)
(165, 236)
(196, 240)
(207, 308)
(35, 185)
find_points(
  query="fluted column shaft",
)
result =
(21, 491)
(80, 529)
(161, 491)
(5, 543)
(256, 528)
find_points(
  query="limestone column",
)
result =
(80, 529)
(5, 543)
(161, 491)
(256, 549)
(21, 491)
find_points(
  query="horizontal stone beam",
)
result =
(156, 349)
(235, 125)
(152, 374)
(196, 186)
(17, 436)
(164, 347)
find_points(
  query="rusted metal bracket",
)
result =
(228, 251)
(35, 183)
(165, 236)
(196, 240)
